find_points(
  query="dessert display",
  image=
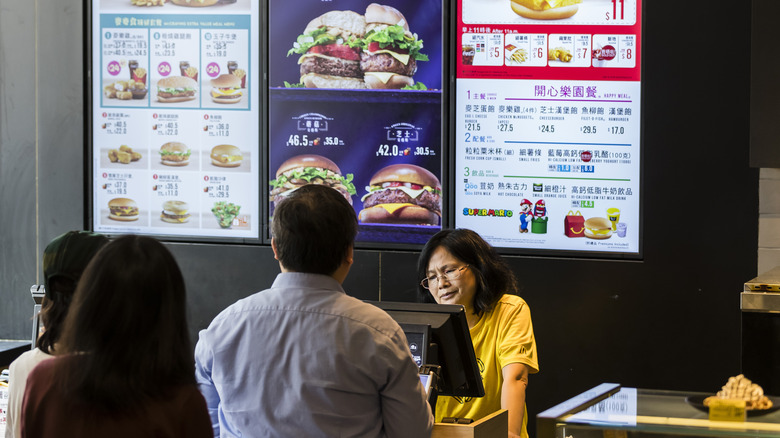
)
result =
(741, 388)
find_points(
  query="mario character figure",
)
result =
(525, 215)
(539, 221)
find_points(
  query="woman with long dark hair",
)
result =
(125, 366)
(64, 260)
(459, 267)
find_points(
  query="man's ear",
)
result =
(273, 246)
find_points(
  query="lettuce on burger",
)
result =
(330, 50)
(390, 50)
(301, 170)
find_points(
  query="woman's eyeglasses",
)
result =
(448, 275)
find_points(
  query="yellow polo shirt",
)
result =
(501, 337)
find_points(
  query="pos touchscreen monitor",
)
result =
(446, 343)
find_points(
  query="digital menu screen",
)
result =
(174, 115)
(355, 103)
(548, 124)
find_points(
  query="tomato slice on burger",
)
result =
(337, 51)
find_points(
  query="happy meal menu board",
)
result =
(175, 114)
(548, 123)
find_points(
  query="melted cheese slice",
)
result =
(403, 58)
(391, 208)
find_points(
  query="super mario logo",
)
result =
(487, 212)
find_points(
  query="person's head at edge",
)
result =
(313, 231)
(64, 261)
(486, 277)
(127, 327)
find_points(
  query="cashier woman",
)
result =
(459, 267)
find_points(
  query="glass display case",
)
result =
(609, 410)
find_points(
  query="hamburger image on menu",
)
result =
(175, 153)
(545, 9)
(390, 50)
(402, 194)
(175, 212)
(176, 89)
(301, 170)
(598, 228)
(330, 51)
(226, 155)
(122, 209)
(226, 89)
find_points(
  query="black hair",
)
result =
(493, 276)
(126, 331)
(313, 230)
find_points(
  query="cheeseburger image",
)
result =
(390, 51)
(330, 51)
(175, 153)
(122, 209)
(545, 9)
(176, 89)
(175, 212)
(226, 155)
(301, 170)
(402, 194)
(226, 89)
(195, 3)
(598, 228)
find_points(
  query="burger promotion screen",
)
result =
(175, 113)
(355, 103)
(547, 130)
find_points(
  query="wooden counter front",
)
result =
(495, 425)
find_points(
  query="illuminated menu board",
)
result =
(548, 125)
(175, 116)
(355, 103)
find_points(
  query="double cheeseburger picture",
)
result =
(301, 170)
(343, 49)
(545, 9)
(122, 209)
(402, 194)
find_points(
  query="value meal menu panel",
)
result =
(355, 103)
(548, 125)
(175, 116)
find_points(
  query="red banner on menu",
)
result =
(548, 123)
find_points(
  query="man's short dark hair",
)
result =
(313, 229)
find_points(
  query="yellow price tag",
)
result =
(727, 410)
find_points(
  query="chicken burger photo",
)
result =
(175, 153)
(226, 155)
(390, 50)
(176, 89)
(545, 9)
(330, 51)
(598, 228)
(301, 170)
(175, 212)
(226, 89)
(402, 194)
(122, 209)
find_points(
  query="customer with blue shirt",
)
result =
(303, 358)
